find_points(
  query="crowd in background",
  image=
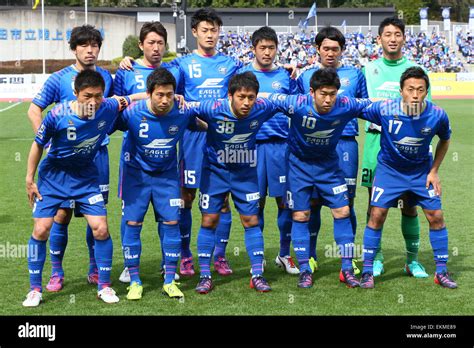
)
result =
(431, 51)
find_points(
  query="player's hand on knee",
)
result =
(433, 179)
(33, 192)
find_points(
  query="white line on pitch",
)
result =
(9, 107)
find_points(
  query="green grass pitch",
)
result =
(395, 293)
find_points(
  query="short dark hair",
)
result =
(396, 22)
(83, 35)
(264, 33)
(159, 77)
(153, 27)
(205, 15)
(330, 33)
(246, 80)
(325, 77)
(417, 73)
(88, 78)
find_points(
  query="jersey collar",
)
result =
(394, 62)
(273, 68)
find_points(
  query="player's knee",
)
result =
(210, 220)
(41, 231)
(435, 219)
(249, 220)
(101, 232)
(377, 217)
(63, 216)
(341, 213)
(301, 216)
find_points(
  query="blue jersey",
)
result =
(314, 136)
(129, 82)
(205, 77)
(231, 141)
(277, 80)
(353, 85)
(152, 139)
(59, 87)
(405, 140)
(74, 140)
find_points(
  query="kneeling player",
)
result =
(404, 166)
(317, 122)
(154, 126)
(76, 130)
(230, 165)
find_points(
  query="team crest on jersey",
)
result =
(101, 125)
(425, 131)
(276, 85)
(254, 124)
(143, 119)
(173, 130)
(345, 82)
(310, 113)
(71, 123)
(222, 70)
(376, 71)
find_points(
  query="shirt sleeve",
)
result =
(300, 84)
(362, 86)
(371, 113)
(293, 86)
(109, 81)
(444, 131)
(46, 130)
(119, 82)
(49, 93)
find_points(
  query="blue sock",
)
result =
(314, 227)
(185, 225)
(161, 235)
(103, 255)
(172, 248)
(300, 238)
(205, 246)
(36, 257)
(372, 239)
(284, 225)
(353, 218)
(254, 246)
(439, 243)
(57, 247)
(132, 249)
(261, 219)
(222, 235)
(90, 246)
(345, 241)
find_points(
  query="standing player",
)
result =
(405, 165)
(154, 126)
(230, 165)
(383, 76)
(317, 122)
(272, 139)
(152, 41)
(330, 44)
(85, 42)
(204, 74)
(76, 130)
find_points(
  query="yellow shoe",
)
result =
(354, 266)
(172, 290)
(313, 264)
(135, 291)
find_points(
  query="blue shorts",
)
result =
(348, 151)
(77, 189)
(217, 181)
(190, 158)
(140, 188)
(271, 168)
(389, 184)
(324, 177)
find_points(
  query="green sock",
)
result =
(411, 233)
(378, 253)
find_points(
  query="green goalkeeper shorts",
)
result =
(369, 158)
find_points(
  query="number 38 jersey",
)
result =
(405, 140)
(313, 135)
(231, 140)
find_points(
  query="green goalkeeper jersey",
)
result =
(383, 79)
